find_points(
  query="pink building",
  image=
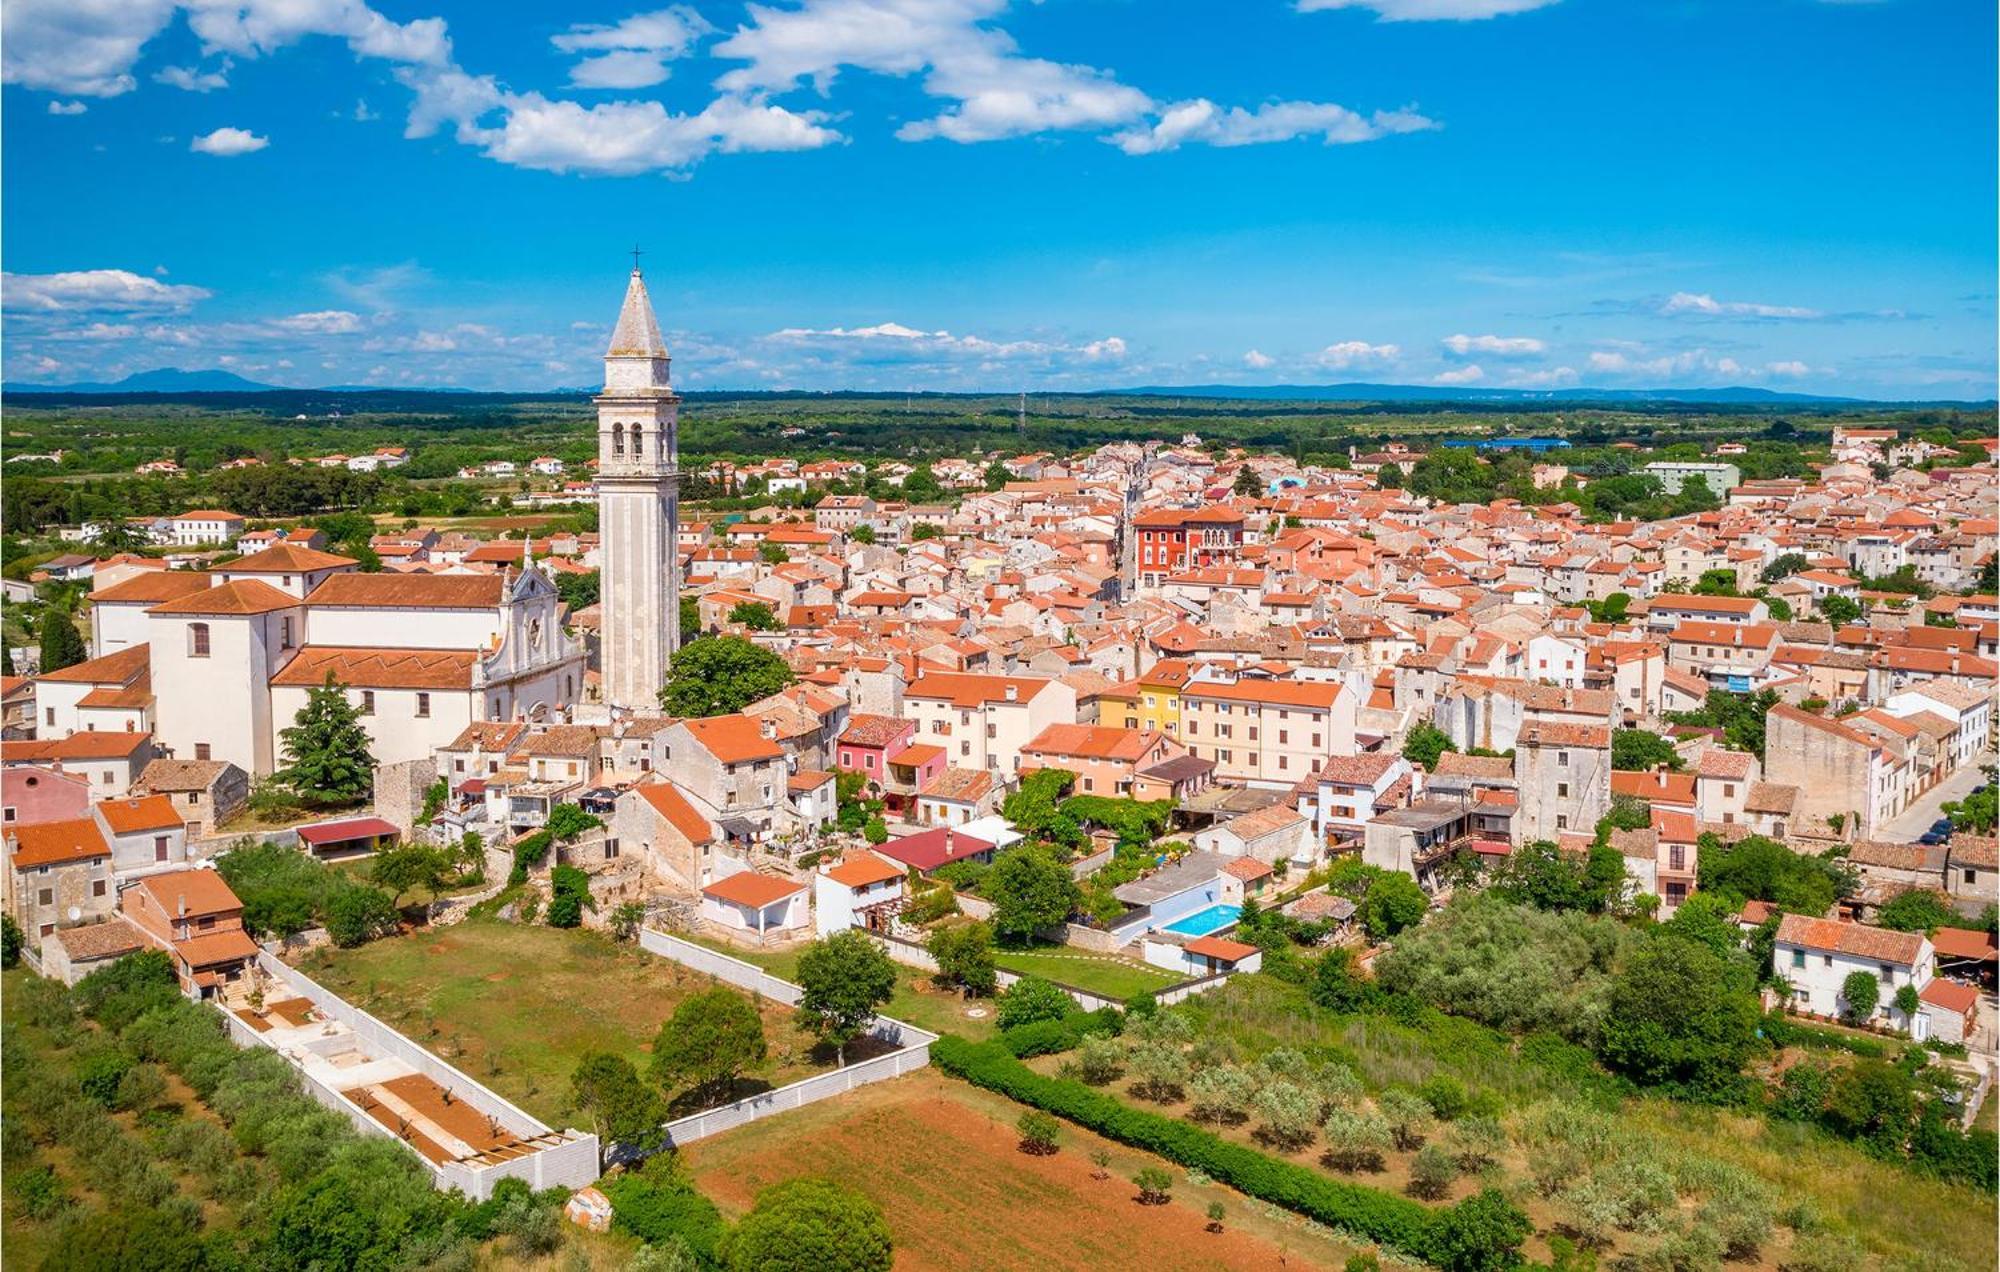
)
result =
(31, 795)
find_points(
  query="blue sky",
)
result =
(973, 194)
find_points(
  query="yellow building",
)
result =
(1153, 701)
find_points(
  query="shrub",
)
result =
(117, 995)
(964, 954)
(1155, 1186)
(1355, 1140)
(1860, 995)
(656, 1206)
(569, 897)
(1485, 1231)
(1432, 1172)
(1446, 1095)
(1408, 1115)
(1100, 1060)
(1049, 1037)
(100, 1074)
(1039, 1132)
(1367, 1212)
(1287, 1114)
(1031, 999)
(809, 1225)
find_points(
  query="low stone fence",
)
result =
(912, 1045)
(912, 954)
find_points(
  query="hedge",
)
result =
(1783, 1031)
(1378, 1216)
(1048, 1037)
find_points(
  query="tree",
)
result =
(810, 1225)
(1390, 478)
(1860, 995)
(1408, 1115)
(1394, 902)
(772, 553)
(407, 867)
(1334, 985)
(756, 616)
(1483, 1233)
(1784, 566)
(709, 1041)
(1907, 1001)
(1155, 1185)
(717, 675)
(1287, 1113)
(328, 759)
(1031, 999)
(11, 940)
(1040, 1132)
(625, 920)
(690, 608)
(578, 591)
(863, 534)
(1757, 868)
(928, 530)
(1432, 1172)
(1917, 910)
(1424, 743)
(1638, 750)
(62, 644)
(1679, 1012)
(356, 914)
(1216, 1212)
(964, 954)
(845, 978)
(1247, 482)
(1838, 610)
(622, 1110)
(1030, 890)
(569, 897)
(1355, 1139)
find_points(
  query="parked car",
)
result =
(1939, 832)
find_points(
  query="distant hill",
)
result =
(160, 380)
(1435, 393)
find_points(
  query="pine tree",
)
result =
(327, 760)
(62, 645)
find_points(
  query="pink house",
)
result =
(883, 749)
(30, 795)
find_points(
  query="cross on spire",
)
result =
(636, 254)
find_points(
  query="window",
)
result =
(1728, 789)
(285, 631)
(49, 716)
(458, 766)
(1562, 759)
(1888, 974)
(610, 850)
(159, 847)
(1970, 876)
(197, 641)
(1284, 736)
(1798, 958)
(194, 799)
(1562, 821)
(47, 896)
(423, 705)
(7, 814)
(97, 887)
(1562, 790)
(367, 702)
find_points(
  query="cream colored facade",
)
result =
(984, 722)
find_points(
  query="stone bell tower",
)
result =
(638, 507)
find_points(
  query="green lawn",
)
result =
(516, 1005)
(1107, 974)
(917, 1001)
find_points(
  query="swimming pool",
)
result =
(1202, 922)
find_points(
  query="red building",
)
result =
(884, 750)
(1172, 540)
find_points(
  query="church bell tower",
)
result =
(638, 506)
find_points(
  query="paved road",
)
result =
(1917, 818)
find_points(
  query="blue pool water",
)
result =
(1202, 922)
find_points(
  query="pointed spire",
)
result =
(637, 334)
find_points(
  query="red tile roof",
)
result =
(750, 888)
(58, 843)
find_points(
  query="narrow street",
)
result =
(1917, 818)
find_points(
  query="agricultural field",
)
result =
(516, 1005)
(1577, 1151)
(944, 1163)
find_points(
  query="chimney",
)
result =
(1013, 692)
(947, 843)
(768, 727)
(182, 911)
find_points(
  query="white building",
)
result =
(1816, 956)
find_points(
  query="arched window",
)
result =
(197, 640)
(661, 437)
(617, 439)
(638, 441)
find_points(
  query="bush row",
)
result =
(1379, 1216)
(1048, 1037)
(1782, 1031)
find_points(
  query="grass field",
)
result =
(917, 1001)
(942, 1161)
(1107, 974)
(516, 1005)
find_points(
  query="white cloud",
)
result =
(1791, 370)
(363, 113)
(1429, 10)
(1708, 306)
(1494, 346)
(1464, 375)
(1259, 361)
(67, 108)
(228, 142)
(1109, 349)
(1203, 121)
(323, 322)
(1552, 378)
(188, 79)
(83, 47)
(1356, 353)
(1692, 364)
(95, 290)
(622, 138)
(894, 344)
(632, 53)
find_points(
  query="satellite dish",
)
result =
(75, 913)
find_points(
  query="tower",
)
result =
(638, 507)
